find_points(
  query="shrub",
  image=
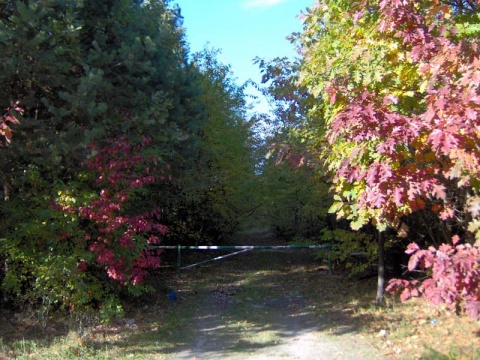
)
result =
(453, 276)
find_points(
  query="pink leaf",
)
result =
(405, 295)
(474, 207)
(455, 239)
(439, 191)
(412, 248)
(415, 260)
(471, 114)
(398, 196)
(447, 213)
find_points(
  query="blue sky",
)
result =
(243, 30)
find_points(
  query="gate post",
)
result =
(179, 259)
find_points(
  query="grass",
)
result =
(418, 330)
(245, 299)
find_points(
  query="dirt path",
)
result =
(297, 337)
(262, 305)
(257, 305)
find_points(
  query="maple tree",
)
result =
(397, 121)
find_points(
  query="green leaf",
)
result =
(336, 206)
(358, 223)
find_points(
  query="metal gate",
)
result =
(242, 249)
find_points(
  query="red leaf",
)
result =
(11, 119)
(430, 114)
(8, 134)
(472, 309)
(296, 160)
(405, 295)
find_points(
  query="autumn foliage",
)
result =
(78, 221)
(454, 277)
(117, 236)
(399, 88)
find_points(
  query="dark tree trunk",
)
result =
(381, 269)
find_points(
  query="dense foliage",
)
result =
(124, 140)
(454, 280)
(119, 238)
(121, 146)
(296, 188)
(396, 119)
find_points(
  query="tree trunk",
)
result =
(7, 187)
(381, 269)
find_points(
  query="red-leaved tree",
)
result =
(118, 235)
(399, 84)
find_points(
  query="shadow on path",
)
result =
(268, 305)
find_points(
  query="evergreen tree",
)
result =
(84, 72)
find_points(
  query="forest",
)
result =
(116, 138)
